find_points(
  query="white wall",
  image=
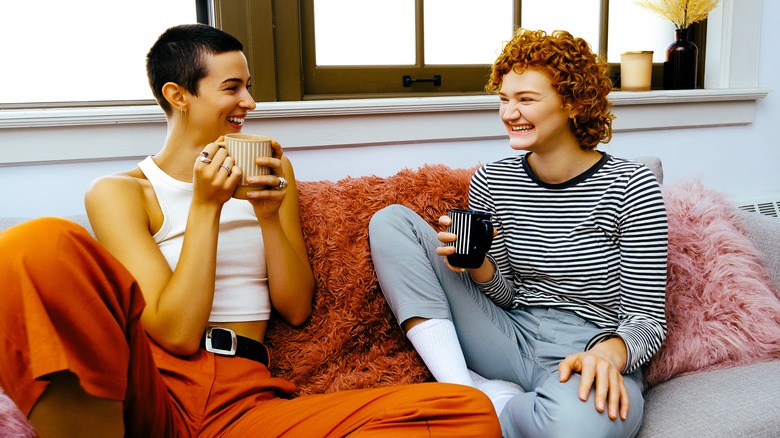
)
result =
(740, 160)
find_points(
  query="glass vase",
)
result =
(680, 67)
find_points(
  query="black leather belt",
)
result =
(226, 342)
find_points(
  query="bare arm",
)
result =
(290, 277)
(178, 303)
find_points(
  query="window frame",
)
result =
(344, 82)
(275, 38)
(328, 82)
(730, 98)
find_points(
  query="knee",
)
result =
(56, 252)
(386, 218)
(556, 410)
(42, 230)
(37, 236)
(579, 418)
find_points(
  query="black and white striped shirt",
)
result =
(595, 245)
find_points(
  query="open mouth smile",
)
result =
(521, 128)
(236, 121)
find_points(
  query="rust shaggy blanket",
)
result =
(352, 339)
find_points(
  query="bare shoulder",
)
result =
(118, 202)
(116, 188)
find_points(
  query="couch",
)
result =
(715, 375)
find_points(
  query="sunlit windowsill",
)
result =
(149, 113)
(132, 131)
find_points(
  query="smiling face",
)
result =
(223, 98)
(533, 112)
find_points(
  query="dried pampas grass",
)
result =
(682, 13)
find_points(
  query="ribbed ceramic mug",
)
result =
(475, 235)
(244, 148)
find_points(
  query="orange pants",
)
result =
(67, 304)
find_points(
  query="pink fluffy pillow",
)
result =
(13, 424)
(721, 310)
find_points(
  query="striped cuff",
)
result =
(497, 288)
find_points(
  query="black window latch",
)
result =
(408, 80)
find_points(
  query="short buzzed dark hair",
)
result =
(179, 56)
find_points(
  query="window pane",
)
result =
(625, 19)
(466, 32)
(82, 50)
(364, 32)
(578, 17)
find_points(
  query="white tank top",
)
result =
(241, 288)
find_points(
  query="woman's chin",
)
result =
(520, 146)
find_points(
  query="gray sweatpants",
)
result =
(522, 345)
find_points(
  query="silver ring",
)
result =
(205, 159)
(226, 167)
(282, 184)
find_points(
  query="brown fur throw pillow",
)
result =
(352, 339)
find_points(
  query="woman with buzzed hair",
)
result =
(156, 329)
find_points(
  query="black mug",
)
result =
(475, 235)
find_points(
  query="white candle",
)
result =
(636, 70)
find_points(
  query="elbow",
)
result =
(178, 345)
(295, 309)
(179, 336)
(296, 315)
(183, 349)
(298, 318)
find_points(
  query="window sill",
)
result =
(674, 109)
(344, 123)
(705, 102)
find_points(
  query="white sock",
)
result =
(437, 344)
(499, 391)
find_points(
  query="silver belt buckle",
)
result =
(233, 341)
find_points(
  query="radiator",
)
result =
(768, 205)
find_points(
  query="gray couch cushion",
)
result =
(6, 222)
(764, 231)
(80, 219)
(732, 402)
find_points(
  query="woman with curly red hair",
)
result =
(568, 303)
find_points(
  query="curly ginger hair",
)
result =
(577, 74)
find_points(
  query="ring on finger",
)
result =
(204, 157)
(226, 167)
(282, 184)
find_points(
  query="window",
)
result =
(430, 46)
(81, 50)
(91, 52)
(329, 49)
(734, 32)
